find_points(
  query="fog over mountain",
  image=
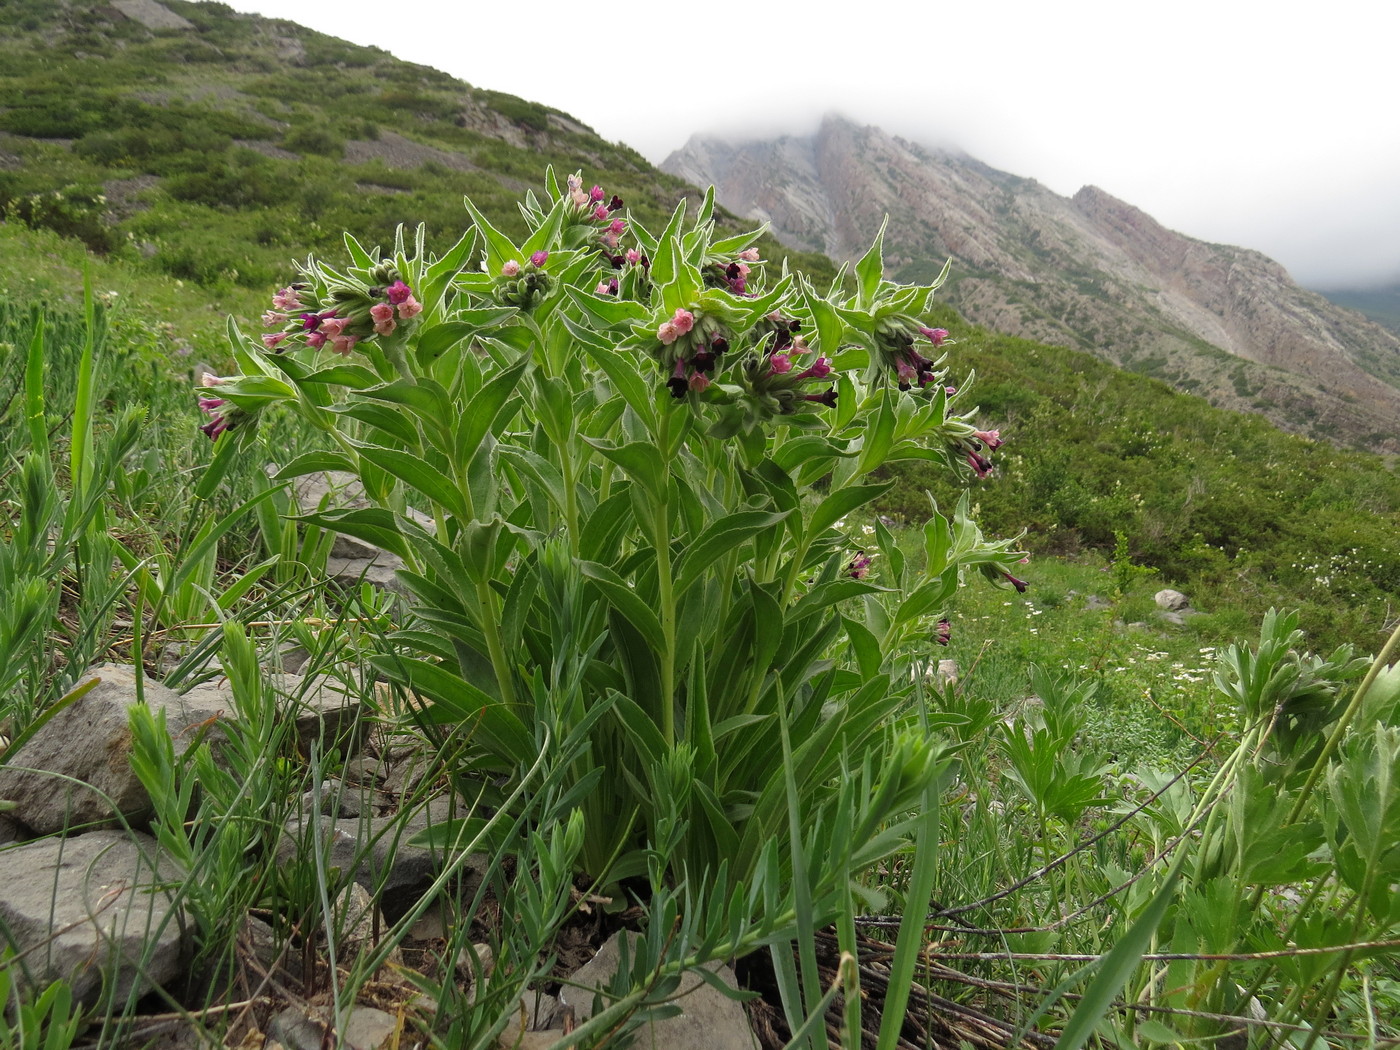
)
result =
(1234, 123)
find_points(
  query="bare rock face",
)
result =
(76, 770)
(92, 910)
(1089, 272)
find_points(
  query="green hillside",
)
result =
(214, 154)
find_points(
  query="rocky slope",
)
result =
(1089, 271)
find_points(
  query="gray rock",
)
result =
(76, 770)
(1095, 602)
(1176, 619)
(328, 712)
(11, 830)
(375, 851)
(709, 1020)
(1172, 601)
(368, 1029)
(93, 908)
(351, 561)
(296, 1031)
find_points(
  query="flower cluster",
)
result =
(349, 312)
(732, 276)
(523, 284)
(972, 446)
(223, 414)
(895, 337)
(690, 347)
(774, 383)
(593, 209)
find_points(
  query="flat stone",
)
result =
(708, 1020)
(94, 908)
(76, 770)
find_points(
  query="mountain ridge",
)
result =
(1089, 271)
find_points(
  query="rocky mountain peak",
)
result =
(1089, 271)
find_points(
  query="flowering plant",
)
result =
(633, 450)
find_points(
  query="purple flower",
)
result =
(859, 567)
(615, 204)
(1020, 585)
(678, 384)
(828, 398)
(943, 633)
(935, 335)
(398, 292)
(981, 466)
(596, 194)
(539, 257)
(820, 370)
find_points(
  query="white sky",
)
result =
(1271, 125)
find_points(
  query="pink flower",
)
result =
(668, 333)
(334, 327)
(618, 226)
(699, 382)
(510, 269)
(819, 370)
(684, 321)
(343, 344)
(906, 372)
(601, 212)
(272, 318)
(749, 255)
(743, 270)
(779, 363)
(272, 340)
(935, 335)
(286, 299)
(539, 257)
(316, 340)
(609, 239)
(596, 193)
(398, 292)
(633, 256)
(410, 307)
(990, 438)
(381, 312)
(602, 289)
(385, 327)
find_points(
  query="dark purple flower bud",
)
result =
(828, 398)
(615, 204)
(719, 345)
(310, 322)
(943, 632)
(678, 384)
(618, 261)
(980, 465)
(1020, 585)
(703, 361)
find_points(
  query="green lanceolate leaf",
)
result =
(418, 474)
(626, 601)
(722, 537)
(841, 502)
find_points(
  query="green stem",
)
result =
(666, 599)
(490, 628)
(1344, 723)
